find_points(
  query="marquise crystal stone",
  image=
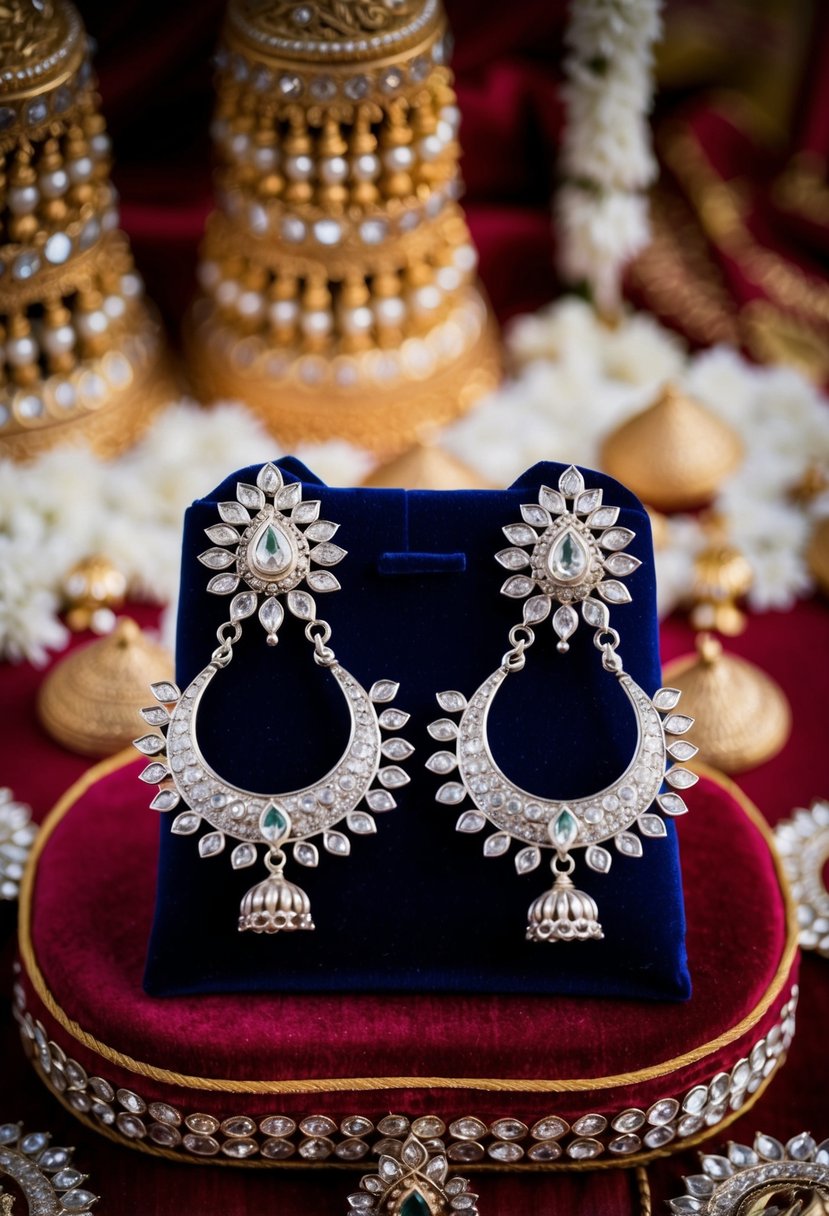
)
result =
(271, 553)
(564, 829)
(568, 559)
(415, 1205)
(274, 824)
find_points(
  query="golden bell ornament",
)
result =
(674, 455)
(81, 357)
(742, 716)
(722, 576)
(339, 293)
(817, 554)
(93, 588)
(425, 466)
(90, 701)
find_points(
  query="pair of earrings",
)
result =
(567, 550)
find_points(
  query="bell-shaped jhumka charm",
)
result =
(339, 296)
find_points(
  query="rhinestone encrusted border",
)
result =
(467, 1140)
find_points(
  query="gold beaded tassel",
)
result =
(83, 354)
(338, 174)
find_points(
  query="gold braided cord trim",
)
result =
(635, 1161)
(365, 1084)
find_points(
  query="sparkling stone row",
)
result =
(415, 358)
(467, 1140)
(36, 111)
(87, 388)
(349, 46)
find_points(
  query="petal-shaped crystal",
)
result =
(604, 517)
(535, 515)
(571, 482)
(652, 825)
(149, 745)
(396, 749)
(384, 690)
(442, 762)
(289, 496)
(306, 512)
(165, 691)
(165, 800)
(496, 845)
(234, 513)
(186, 823)
(269, 479)
(518, 586)
(216, 559)
(453, 702)
(672, 804)
(302, 604)
(223, 584)
(222, 534)
(243, 855)
(629, 844)
(361, 824)
(682, 750)
(154, 773)
(470, 821)
(666, 698)
(595, 613)
(443, 729)
(274, 824)
(520, 534)
(393, 719)
(250, 496)
(681, 778)
(568, 559)
(414, 1154)
(211, 844)
(622, 564)
(155, 715)
(527, 859)
(321, 530)
(337, 843)
(678, 724)
(323, 581)
(565, 622)
(306, 853)
(271, 614)
(587, 501)
(616, 538)
(768, 1147)
(380, 800)
(553, 500)
(536, 609)
(614, 592)
(451, 793)
(513, 559)
(242, 605)
(564, 829)
(328, 554)
(271, 553)
(598, 859)
(717, 1167)
(392, 776)
(801, 1148)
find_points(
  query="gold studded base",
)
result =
(132, 1067)
(380, 400)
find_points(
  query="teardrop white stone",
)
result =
(272, 553)
(568, 559)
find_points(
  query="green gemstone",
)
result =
(564, 828)
(273, 553)
(273, 823)
(568, 558)
(415, 1205)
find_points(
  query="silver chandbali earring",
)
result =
(277, 537)
(575, 546)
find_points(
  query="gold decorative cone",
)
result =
(722, 576)
(339, 291)
(425, 467)
(81, 357)
(817, 554)
(90, 701)
(742, 716)
(674, 455)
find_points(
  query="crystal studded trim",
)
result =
(803, 843)
(601, 1136)
(44, 1173)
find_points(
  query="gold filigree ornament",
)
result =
(91, 699)
(674, 454)
(722, 576)
(42, 1173)
(767, 1179)
(81, 352)
(413, 1182)
(803, 844)
(17, 835)
(339, 296)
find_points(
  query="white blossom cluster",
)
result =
(577, 379)
(68, 505)
(606, 157)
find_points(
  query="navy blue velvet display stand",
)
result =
(417, 907)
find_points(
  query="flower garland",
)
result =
(575, 380)
(606, 157)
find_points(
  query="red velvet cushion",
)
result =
(84, 929)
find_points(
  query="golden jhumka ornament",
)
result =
(339, 289)
(80, 354)
(424, 466)
(722, 576)
(90, 701)
(674, 455)
(742, 716)
(817, 554)
(92, 589)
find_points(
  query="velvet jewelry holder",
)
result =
(417, 907)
